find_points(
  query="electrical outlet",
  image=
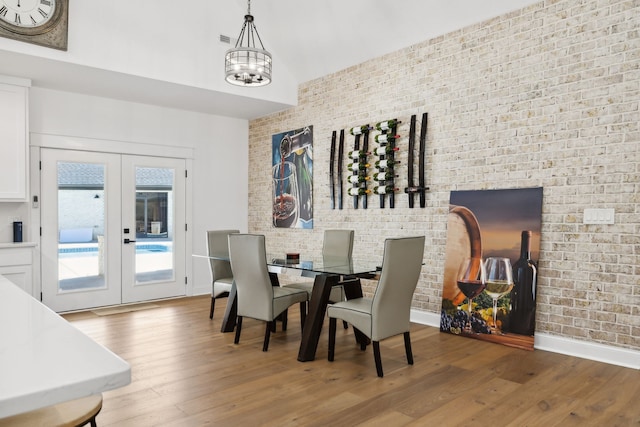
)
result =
(598, 216)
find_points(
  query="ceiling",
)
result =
(308, 39)
(331, 35)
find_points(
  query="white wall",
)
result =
(220, 157)
(177, 45)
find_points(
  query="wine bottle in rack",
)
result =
(384, 189)
(386, 125)
(385, 138)
(359, 130)
(384, 176)
(358, 191)
(357, 154)
(357, 179)
(384, 150)
(355, 167)
(522, 317)
(386, 163)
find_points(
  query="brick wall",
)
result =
(544, 96)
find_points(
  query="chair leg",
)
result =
(238, 329)
(332, 338)
(407, 348)
(303, 314)
(213, 306)
(344, 322)
(282, 317)
(376, 356)
(267, 335)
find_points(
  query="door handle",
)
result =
(127, 241)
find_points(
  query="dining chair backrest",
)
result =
(218, 246)
(391, 306)
(249, 265)
(338, 244)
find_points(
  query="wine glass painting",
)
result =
(286, 205)
(292, 152)
(493, 224)
(471, 281)
(499, 282)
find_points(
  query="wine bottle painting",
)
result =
(292, 173)
(493, 225)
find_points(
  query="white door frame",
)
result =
(38, 140)
(132, 290)
(110, 293)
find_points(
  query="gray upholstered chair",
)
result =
(387, 313)
(221, 276)
(257, 297)
(337, 245)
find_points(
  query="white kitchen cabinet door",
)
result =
(13, 142)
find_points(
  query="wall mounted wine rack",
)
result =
(386, 163)
(384, 169)
(359, 166)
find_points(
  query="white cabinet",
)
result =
(16, 264)
(14, 131)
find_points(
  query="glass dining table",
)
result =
(327, 272)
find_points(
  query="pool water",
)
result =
(93, 249)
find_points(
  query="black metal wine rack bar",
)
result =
(340, 154)
(365, 149)
(332, 178)
(420, 189)
(422, 153)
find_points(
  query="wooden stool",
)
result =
(74, 413)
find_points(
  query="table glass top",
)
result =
(319, 264)
(330, 265)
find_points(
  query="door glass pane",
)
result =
(154, 224)
(80, 226)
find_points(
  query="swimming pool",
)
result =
(92, 249)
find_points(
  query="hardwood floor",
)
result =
(186, 373)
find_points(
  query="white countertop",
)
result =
(45, 360)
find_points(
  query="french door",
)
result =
(113, 228)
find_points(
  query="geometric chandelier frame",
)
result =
(246, 64)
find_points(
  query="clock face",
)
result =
(41, 22)
(27, 14)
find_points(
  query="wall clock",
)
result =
(42, 22)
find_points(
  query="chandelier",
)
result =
(245, 64)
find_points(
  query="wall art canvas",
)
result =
(292, 176)
(495, 302)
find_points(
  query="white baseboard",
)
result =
(583, 349)
(588, 350)
(201, 290)
(425, 318)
